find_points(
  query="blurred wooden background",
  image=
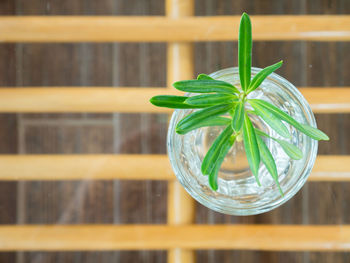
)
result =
(144, 64)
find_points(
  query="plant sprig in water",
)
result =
(220, 98)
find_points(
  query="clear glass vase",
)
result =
(238, 192)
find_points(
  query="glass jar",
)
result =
(238, 192)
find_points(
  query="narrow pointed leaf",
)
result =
(251, 147)
(261, 133)
(214, 151)
(204, 77)
(245, 51)
(314, 133)
(193, 119)
(306, 129)
(211, 99)
(290, 149)
(205, 86)
(216, 121)
(170, 101)
(262, 75)
(271, 120)
(213, 175)
(268, 161)
(238, 117)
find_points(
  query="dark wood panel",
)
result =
(278, 257)
(88, 7)
(42, 66)
(237, 7)
(326, 64)
(7, 7)
(141, 64)
(266, 7)
(135, 7)
(8, 190)
(68, 139)
(8, 131)
(328, 7)
(93, 257)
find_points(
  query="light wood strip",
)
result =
(141, 237)
(158, 29)
(76, 99)
(149, 167)
(328, 99)
(181, 211)
(331, 168)
(77, 167)
(179, 66)
(134, 100)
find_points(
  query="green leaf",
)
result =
(205, 86)
(193, 119)
(306, 129)
(290, 149)
(314, 133)
(238, 117)
(268, 161)
(213, 175)
(261, 133)
(271, 120)
(211, 99)
(214, 151)
(216, 121)
(262, 75)
(170, 101)
(251, 147)
(245, 51)
(203, 76)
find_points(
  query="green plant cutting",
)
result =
(222, 104)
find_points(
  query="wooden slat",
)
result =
(331, 168)
(109, 167)
(328, 99)
(103, 99)
(76, 99)
(140, 237)
(77, 167)
(180, 65)
(145, 29)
